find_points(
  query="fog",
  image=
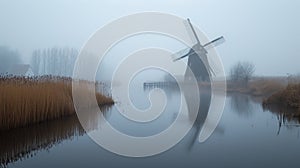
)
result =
(8, 58)
(265, 33)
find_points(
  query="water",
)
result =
(247, 136)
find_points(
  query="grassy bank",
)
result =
(288, 97)
(25, 101)
(262, 87)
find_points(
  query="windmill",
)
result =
(197, 57)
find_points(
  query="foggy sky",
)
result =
(266, 33)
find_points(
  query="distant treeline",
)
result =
(56, 61)
(53, 61)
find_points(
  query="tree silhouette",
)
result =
(242, 72)
(54, 61)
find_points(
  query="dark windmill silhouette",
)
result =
(199, 66)
(197, 58)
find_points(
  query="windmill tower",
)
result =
(197, 58)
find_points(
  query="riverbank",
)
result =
(273, 91)
(259, 87)
(288, 97)
(26, 101)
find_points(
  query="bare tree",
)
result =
(54, 61)
(35, 61)
(242, 72)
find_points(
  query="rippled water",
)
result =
(247, 136)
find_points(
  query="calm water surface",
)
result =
(247, 136)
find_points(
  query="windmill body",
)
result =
(196, 66)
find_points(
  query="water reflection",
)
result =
(205, 100)
(290, 118)
(242, 104)
(242, 140)
(17, 144)
(200, 113)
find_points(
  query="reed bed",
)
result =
(262, 87)
(29, 100)
(289, 97)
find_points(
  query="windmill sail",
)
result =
(197, 57)
(184, 52)
(214, 43)
(177, 56)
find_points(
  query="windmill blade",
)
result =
(181, 57)
(193, 30)
(179, 54)
(214, 43)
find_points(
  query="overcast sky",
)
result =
(266, 32)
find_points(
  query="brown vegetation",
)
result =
(263, 87)
(25, 101)
(286, 105)
(289, 97)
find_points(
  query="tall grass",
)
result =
(266, 87)
(262, 87)
(289, 97)
(25, 101)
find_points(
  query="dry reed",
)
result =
(28, 100)
(289, 97)
(264, 87)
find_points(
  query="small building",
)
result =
(21, 70)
